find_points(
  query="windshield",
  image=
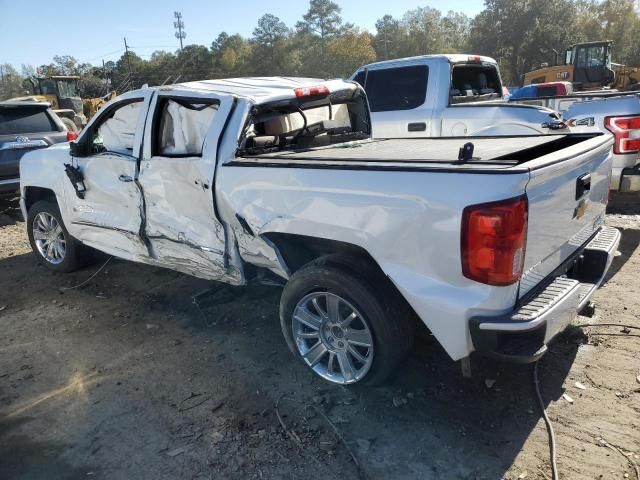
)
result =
(594, 56)
(67, 88)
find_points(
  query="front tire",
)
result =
(55, 248)
(346, 329)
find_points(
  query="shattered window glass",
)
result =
(184, 126)
(117, 133)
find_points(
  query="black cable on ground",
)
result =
(609, 325)
(88, 279)
(552, 435)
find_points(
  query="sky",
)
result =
(33, 32)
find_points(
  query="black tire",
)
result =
(70, 124)
(387, 316)
(75, 256)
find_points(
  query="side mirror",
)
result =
(79, 148)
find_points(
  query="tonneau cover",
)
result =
(437, 150)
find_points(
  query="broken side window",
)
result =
(117, 133)
(182, 127)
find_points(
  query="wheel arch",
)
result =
(295, 251)
(32, 195)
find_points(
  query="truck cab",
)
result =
(446, 96)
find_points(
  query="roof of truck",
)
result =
(451, 58)
(26, 102)
(262, 89)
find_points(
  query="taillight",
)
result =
(71, 136)
(626, 131)
(494, 237)
(314, 91)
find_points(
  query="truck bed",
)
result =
(442, 152)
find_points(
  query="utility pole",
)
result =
(126, 50)
(179, 25)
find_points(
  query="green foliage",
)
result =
(519, 34)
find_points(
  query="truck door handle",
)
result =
(583, 185)
(125, 178)
(417, 127)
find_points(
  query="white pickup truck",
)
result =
(446, 96)
(615, 112)
(494, 248)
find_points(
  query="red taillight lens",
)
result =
(315, 91)
(626, 131)
(494, 237)
(71, 136)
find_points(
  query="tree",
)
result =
(521, 33)
(91, 86)
(194, 62)
(270, 42)
(349, 51)
(390, 39)
(11, 82)
(231, 54)
(321, 23)
(323, 18)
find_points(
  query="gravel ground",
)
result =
(125, 378)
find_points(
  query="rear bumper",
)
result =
(521, 336)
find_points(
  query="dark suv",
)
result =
(25, 126)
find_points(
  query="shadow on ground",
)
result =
(138, 327)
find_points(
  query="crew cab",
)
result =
(25, 126)
(446, 96)
(493, 243)
(613, 112)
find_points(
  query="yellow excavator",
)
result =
(587, 66)
(61, 91)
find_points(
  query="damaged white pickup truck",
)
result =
(494, 246)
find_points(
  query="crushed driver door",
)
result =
(108, 215)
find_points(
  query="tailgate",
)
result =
(567, 192)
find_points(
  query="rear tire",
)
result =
(55, 248)
(364, 350)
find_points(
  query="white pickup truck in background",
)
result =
(243, 180)
(615, 112)
(446, 96)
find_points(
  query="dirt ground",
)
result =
(126, 378)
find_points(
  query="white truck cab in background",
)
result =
(446, 96)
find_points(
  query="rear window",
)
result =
(17, 120)
(402, 88)
(474, 82)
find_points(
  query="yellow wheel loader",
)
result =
(61, 91)
(587, 66)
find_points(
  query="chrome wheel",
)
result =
(49, 238)
(332, 337)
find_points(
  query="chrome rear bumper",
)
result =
(522, 335)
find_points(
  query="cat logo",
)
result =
(562, 75)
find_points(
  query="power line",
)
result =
(102, 56)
